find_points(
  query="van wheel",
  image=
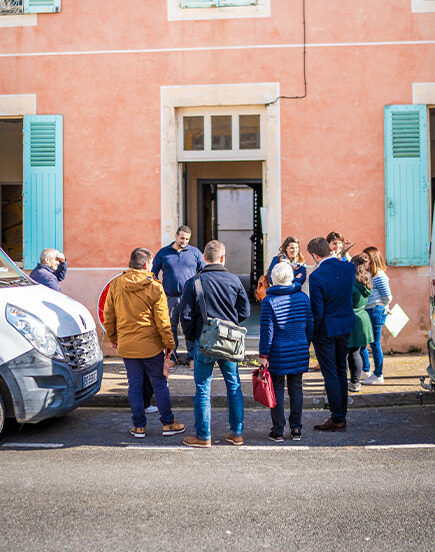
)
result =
(2, 415)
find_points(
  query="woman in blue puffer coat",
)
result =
(286, 330)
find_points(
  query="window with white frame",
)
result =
(208, 134)
(216, 3)
(18, 7)
(181, 10)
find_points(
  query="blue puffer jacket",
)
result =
(286, 329)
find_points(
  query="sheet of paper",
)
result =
(396, 320)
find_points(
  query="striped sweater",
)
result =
(381, 294)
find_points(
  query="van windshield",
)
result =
(10, 274)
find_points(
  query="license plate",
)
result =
(89, 379)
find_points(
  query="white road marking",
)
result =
(408, 446)
(243, 447)
(33, 445)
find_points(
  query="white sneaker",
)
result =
(354, 386)
(373, 380)
(151, 409)
(365, 375)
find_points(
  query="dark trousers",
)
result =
(136, 369)
(331, 352)
(355, 362)
(174, 315)
(294, 388)
(147, 390)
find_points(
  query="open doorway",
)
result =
(11, 187)
(229, 211)
(222, 201)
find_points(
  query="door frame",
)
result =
(253, 94)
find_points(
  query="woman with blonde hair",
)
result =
(377, 308)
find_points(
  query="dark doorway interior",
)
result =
(11, 187)
(229, 210)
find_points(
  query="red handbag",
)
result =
(264, 392)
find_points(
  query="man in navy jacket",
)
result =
(178, 262)
(225, 298)
(51, 269)
(331, 287)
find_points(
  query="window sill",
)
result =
(24, 20)
(423, 6)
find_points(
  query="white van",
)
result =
(50, 360)
(430, 343)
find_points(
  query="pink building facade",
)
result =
(249, 121)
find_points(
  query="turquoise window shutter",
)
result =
(41, 6)
(43, 185)
(197, 3)
(406, 185)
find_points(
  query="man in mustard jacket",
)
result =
(136, 319)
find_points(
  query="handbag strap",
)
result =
(201, 299)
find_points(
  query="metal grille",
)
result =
(80, 350)
(11, 7)
(257, 266)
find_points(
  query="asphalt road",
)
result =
(82, 483)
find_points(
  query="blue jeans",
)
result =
(377, 317)
(174, 315)
(294, 388)
(202, 408)
(136, 368)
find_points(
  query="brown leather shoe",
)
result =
(330, 425)
(234, 440)
(173, 429)
(195, 442)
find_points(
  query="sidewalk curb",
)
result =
(377, 400)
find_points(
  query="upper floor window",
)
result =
(221, 133)
(216, 3)
(18, 7)
(184, 10)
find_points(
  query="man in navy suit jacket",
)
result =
(331, 287)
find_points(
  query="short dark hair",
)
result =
(213, 251)
(319, 246)
(334, 236)
(184, 228)
(139, 257)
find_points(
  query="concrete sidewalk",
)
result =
(401, 373)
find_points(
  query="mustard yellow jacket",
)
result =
(136, 315)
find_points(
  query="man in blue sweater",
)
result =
(178, 262)
(331, 286)
(51, 269)
(225, 298)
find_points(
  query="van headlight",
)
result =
(35, 331)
